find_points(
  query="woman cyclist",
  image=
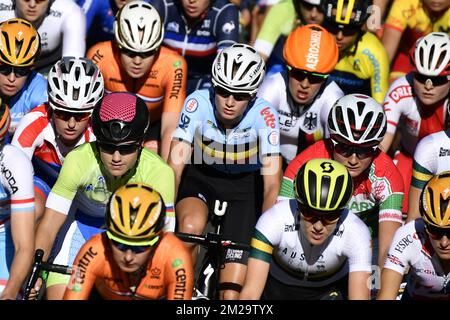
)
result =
(311, 247)
(423, 245)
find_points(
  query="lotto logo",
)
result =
(269, 118)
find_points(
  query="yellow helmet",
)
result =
(19, 43)
(323, 185)
(136, 215)
(434, 202)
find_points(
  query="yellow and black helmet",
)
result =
(434, 204)
(19, 43)
(323, 185)
(136, 215)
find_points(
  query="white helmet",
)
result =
(431, 54)
(239, 69)
(138, 27)
(74, 85)
(358, 119)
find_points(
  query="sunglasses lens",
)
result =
(300, 75)
(18, 71)
(326, 218)
(347, 151)
(237, 96)
(136, 249)
(123, 149)
(66, 116)
(436, 80)
(437, 233)
(133, 54)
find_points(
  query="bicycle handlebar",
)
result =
(211, 239)
(39, 266)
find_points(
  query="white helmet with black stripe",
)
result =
(238, 69)
(138, 27)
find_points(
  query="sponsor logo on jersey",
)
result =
(289, 227)
(84, 262)
(403, 243)
(269, 118)
(400, 93)
(180, 286)
(173, 26)
(310, 120)
(228, 27)
(395, 260)
(444, 152)
(234, 254)
(9, 177)
(274, 138)
(206, 23)
(155, 273)
(191, 105)
(312, 58)
(97, 57)
(184, 121)
(376, 68)
(176, 85)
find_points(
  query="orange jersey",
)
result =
(169, 274)
(163, 88)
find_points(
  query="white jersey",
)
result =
(64, 25)
(401, 106)
(299, 128)
(432, 156)
(296, 262)
(411, 247)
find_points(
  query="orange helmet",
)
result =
(311, 48)
(19, 43)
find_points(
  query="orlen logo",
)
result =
(400, 92)
(269, 118)
(191, 105)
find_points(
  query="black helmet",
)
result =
(120, 117)
(361, 8)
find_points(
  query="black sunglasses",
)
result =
(123, 149)
(435, 80)
(237, 96)
(135, 249)
(66, 116)
(312, 216)
(347, 30)
(437, 233)
(133, 54)
(301, 75)
(18, 71)
(308, 6)
(347, 150)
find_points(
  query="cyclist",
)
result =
(21, 88)
(363, 65)
(232, 136)
(431, 157)
(143, 261)
(92, 172)
(422, 245)
(406, 22)
(136, 62)
(16, 213)
(47, 133)
(311, 247)
(280, 20)
(100, 19)
(303, 95)
(198, 30)
(60, 23)
(420, 100)
(357, 124)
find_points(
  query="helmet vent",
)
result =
(312, 187)
(337, 191)
(147, 214)
(19, 44)
(340, 121)
(444, 205)
(324, 190)
(76, 94)
(431, 54)
(361, 106)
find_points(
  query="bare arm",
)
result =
(358, 288)
(22, 229)
(386, 233)
(413, 204)
(48, 229)
(390, 284)
(387, 142)
(391, 40)
(272, 175)
(255, 281)
(180, 153)
(169, 121)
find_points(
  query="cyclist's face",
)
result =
(136, 66)
(194, 8)
(316, 231)
(11, 84)
(428, 93)
(128, 261)
(310, 13)
(343, 41)
(437, 5)
(31, 10)
(303, 91)
(229, 111)
(442, 247)
(68, 128)
(353, 163)
(118, 164)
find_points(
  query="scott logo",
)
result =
(269, 118)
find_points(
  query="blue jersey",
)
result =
(100, 16)
(33, 93)
(235, 150)
(199, 42)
